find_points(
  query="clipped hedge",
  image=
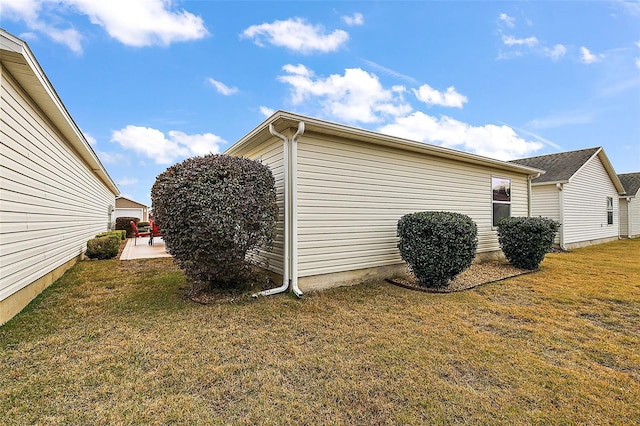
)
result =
(214, 211)
(123, 223)
(526, 240)
(103, 247)
(121, 234)
(437, 246)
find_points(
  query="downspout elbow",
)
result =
(294, 210)
(285, 272)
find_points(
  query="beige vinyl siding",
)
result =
(585, 204)
(51, 202)
(350, 196)
(271, 154)
(545, 202)
(634, 216)
(624, 217)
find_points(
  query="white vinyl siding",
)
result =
(624, 217)
(352, 194)
(585, 204)
(51, 202)
(545, 202)
(634, 216)
(630, 217)
(271, 154)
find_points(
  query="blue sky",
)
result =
(152, 82)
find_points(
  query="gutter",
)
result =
(290, 269)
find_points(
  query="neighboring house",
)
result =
(630, 205)
(126, 207)
(55, 194)
(580, 189)
(341, 191)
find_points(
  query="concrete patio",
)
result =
(141, 249)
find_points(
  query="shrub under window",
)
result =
(526, 240)
(437, 246)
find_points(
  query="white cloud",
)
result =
(390, 72)
(568, 118)
(589, 58)
(90, 139)
(510, 40)
(556, 53)
(509, 21)
(113, 158)
(638, 63)
(134, 23)
(166, 149)
(266, 111)
(127, 181)
(356, 96)
(297, 35)
(355, 19)
(500, 142)
(431, 96)
(142, 22)
(222, 88)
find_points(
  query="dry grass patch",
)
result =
(116, 343)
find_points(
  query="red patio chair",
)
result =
(155, 231)
(139, 234)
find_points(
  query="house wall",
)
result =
(271, 154)
(350, 196)
(585, 206)
(634, 216)
(545, 202)
(51, 202)
(129, 208)
(624, 217)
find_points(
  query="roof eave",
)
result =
(283, 120)
(53, 106)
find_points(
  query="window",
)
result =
(609, 211)
(501, 197)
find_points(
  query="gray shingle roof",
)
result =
(631, 183)
(559, 167)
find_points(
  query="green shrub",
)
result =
(437, 246)
(214, 211)
(123, 223)
(121, 234)
(526, 240)
(103, 247)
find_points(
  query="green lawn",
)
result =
(115, 343)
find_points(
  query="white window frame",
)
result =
(610, 215)
(508, 192)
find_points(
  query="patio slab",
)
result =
(141, 249)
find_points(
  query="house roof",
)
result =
(21, 63)
(631, 183)
(283, 120)
(120, 197)
(562, 166)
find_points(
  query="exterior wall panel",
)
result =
(271, 154)
(545, 202)
(624, 217)
(634, 216)
(51, 201)
(585, 205)
(352, 194)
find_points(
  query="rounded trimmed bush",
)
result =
(526, 240)
(437, 246)
(214, 212)
(124, 223)
(103, 247)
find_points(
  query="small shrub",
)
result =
(437, 246)
(123, 223)
(214, 212)
(121, 234)
(526, 240)
(103, 247)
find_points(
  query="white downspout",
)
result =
(294, 210)
(529, 194)
(287, 203)
(561, 214)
